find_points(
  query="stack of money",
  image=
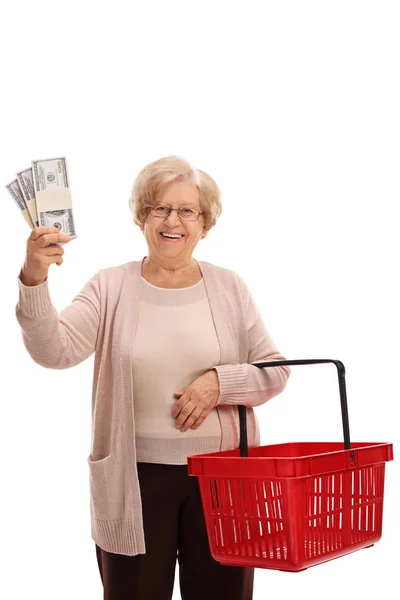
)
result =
(43, 195)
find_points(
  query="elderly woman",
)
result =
(173, 338)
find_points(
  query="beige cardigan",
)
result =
(102, 319)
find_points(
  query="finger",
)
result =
(192, 418)
(199, 421)
(38, 231)
(184, 413)
(52, 238)
(54, 249)
(56, 259)
(184, 399)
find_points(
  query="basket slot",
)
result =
(266, 546)
(214, 495)
(241, 512)
(273, 495)
(228, 525)
(234, 529)
(324, 522)
(366, 502)
(335, 508)
(373, 527)
(371, 501)
(215, 509)
(258, 523)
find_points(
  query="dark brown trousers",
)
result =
(175, 529)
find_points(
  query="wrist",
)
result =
(216, 379)
(28, 281)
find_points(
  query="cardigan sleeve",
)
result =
(59, 340)
(244, 383)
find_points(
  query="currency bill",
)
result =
(53, 194)
(15, 190)
(25, 180)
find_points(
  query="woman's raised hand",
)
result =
(42, 249)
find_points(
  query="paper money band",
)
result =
(53, 200)
(54, 209)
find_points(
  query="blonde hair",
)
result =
(157, 175)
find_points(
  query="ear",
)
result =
(204, 234)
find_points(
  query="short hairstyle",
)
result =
(157, 175)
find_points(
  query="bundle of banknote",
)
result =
(43, 195)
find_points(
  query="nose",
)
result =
(172, 218)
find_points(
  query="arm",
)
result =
(59, 340)
(244, 383)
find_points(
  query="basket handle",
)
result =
(310, 361)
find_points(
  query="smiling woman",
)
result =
(175, 340)
(171, 240)
(175, 205)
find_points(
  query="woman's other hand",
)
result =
(196, 401)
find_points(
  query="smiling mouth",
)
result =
(173, 238)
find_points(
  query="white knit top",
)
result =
(175, 342)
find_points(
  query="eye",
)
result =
(187, 211)
(161, 208)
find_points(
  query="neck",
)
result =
(161, 268)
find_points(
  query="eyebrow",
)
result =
(184, 205)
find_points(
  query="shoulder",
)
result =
(225, 277)
(114, 277)
(119, 271)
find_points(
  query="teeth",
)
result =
(170, 235)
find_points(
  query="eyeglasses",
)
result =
(184, 213)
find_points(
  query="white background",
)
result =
(293, 108)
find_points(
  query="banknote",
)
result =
(14, 188)
(53, 194)
(25, 181)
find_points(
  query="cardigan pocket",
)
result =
(107, 476)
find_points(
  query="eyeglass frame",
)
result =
(171, 209)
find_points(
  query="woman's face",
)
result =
(177, 251)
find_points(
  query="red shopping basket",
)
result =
(291, 506)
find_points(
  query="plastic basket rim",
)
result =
(362, 446)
